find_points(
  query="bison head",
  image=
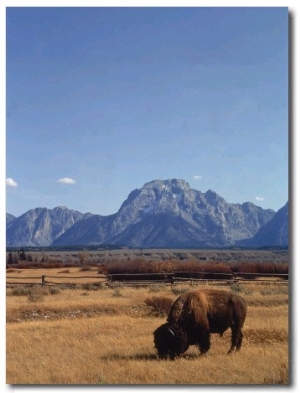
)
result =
(170, 341)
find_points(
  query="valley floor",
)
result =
(105, 336)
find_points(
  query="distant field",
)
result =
(65, 334)
(60, 335)
(104, 256)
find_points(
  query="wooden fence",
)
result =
(144, 279)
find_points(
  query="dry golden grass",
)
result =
(106, 337)
(76, 275)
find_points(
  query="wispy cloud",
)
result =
(197, 177)
(66, 180)
(11, 182)
(259, 198)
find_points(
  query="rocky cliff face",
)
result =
(171, 214)
(9, 218)
(40, 226)
(160, 214)
(275, 233)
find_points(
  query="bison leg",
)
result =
(239, 340)
(204, 343)
(236, 339)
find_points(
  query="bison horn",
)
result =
(171, 331)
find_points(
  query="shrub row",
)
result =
(190, 267)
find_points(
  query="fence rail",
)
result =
(139, 279)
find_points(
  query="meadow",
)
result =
(104, 335)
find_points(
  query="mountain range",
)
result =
(163, 213)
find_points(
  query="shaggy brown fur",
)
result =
(197, 314)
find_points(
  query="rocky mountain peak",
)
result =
(9, 218)
(169, 184)
(274, 233)
(162, 213)
(212, 197)
(156, 197)
(40, 226)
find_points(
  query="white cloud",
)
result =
(197, 177)
(259, 198)
(66, 180)
(11, 182)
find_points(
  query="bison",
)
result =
(197, 314)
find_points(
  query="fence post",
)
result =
(172, 279)
(43, 280)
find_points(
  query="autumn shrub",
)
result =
(86, 268)
(88, 287)
(160, 305)
(22, 290)
(156, 287)
(115, 284)
(193, 268)
(256, 267)
(34, 292)
(102, 269)
(163, 266)
(36, 295)
(243, 290)
(117, 292)
(202, 270)
(282, 268)
(274, 291)
(54, 291)
(218, 270)
(179, 290)
(134, 266)
(235, 287)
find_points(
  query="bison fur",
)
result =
(197, 314)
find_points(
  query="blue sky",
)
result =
(100, 101)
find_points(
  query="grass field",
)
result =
(59, 335)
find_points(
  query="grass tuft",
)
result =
(159, 305)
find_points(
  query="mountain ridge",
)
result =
(162, 213)
(39, 226)
(274, 233)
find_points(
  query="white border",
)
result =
(294, 164)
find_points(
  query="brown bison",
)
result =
(197, 314)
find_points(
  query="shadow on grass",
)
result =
(146, 357)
